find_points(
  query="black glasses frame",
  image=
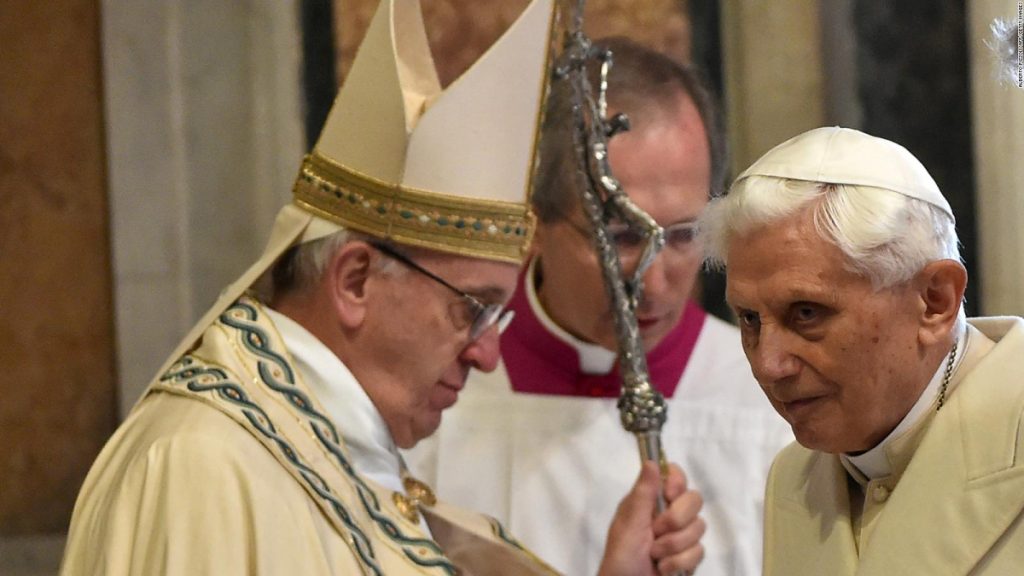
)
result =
(484, 315)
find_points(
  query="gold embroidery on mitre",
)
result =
(489, 229)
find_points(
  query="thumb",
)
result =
(630, 536)
(640, 505)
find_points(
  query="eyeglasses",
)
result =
(481, 316)
(678, 237)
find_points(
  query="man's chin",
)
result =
(821, 441)
(425, 428)
(653, 337)
(649, 339)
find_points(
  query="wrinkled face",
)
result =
(666, 170)
(839, 361)
(417, 337)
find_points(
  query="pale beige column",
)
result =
(774, 78)
(205, 137)
(998, 118)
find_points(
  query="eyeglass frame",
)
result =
(484, 315)
(617, 230)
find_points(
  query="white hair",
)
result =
(301, 267)
(887, 237)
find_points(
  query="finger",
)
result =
(649, 479)
(684, 562)
(679, 541)
(642, 500)
(680, 513)
(675, 482)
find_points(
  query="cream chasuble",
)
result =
(232, 465)
(958, 506)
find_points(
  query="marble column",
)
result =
(205, 137)
(774, 76)
(998, 118)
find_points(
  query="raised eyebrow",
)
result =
(738, 309)
(824, 297)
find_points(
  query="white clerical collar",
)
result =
(875, 463)
(594, 359)
(366, 435)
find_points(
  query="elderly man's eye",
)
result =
(806, 313)
(748, 319)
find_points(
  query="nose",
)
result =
(484, 352)
(771, 357)
(656, 281)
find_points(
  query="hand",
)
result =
(640, 544)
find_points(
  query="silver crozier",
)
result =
(641, 407)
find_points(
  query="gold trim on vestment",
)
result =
(490, 229)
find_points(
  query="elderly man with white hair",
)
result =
(843, 269)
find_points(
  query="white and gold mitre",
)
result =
(449, 170)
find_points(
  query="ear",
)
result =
(534, 249)
(941, 286)
(347, 277)
(539, 236)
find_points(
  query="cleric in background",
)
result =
(557, 455)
